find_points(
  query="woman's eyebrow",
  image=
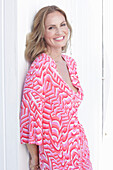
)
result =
(54, 24)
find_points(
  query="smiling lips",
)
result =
(59, 38)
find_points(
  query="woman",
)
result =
(51, 97)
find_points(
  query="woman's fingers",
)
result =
(33, 165)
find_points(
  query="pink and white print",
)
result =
(49, 116)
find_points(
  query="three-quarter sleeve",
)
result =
(32, 105)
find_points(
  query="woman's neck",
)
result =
(55, 54)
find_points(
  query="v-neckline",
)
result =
(61, 76)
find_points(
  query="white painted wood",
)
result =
(2, 115)
(8, 86)
(107, 147)
(87, 50)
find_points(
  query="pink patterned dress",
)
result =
(49, 116)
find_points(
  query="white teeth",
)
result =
(60, 38)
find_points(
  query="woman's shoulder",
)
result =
(37, 67)
(37, 70)
(40, 62)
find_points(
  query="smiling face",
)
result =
(56, 31)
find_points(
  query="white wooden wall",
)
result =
(8, 86)
(107, 147)
(92, 25)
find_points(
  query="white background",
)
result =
(91, 46)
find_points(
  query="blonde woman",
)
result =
(52, 94)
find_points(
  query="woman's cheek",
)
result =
(49, 34)
(67, 30)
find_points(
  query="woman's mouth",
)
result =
(59, 38)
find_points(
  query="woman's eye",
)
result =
(50, 28)
(63, 25)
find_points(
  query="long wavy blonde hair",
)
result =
(35, 43)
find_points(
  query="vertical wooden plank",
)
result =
(10, 85)
(2, 113)
(87, 49)
(107, 149)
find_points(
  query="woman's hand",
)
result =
(34, 165)
(34, 156)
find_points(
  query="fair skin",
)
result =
(56, 36)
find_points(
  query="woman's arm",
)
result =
(34, 156)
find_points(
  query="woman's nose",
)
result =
(58, 31)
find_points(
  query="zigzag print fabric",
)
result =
(49, 116)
